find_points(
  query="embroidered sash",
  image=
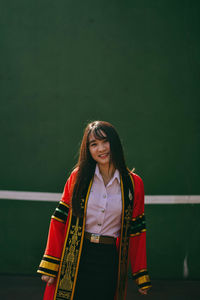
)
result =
(127, 190)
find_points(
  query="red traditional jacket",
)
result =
(66, 234)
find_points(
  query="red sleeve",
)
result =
(137, 250)
(59, 221)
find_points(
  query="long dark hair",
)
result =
(86, 164)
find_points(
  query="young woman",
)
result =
(98, 225)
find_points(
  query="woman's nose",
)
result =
(101, 146)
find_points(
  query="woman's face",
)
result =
(100, 149)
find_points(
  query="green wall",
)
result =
(133, 63)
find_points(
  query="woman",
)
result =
(98, 225)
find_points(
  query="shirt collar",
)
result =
(116, 175)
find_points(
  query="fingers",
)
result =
(143, 292)
(48, 279)
(51, 280)
(45, 278)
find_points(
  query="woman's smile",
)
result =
(103, 155)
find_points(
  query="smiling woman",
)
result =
(98, 225)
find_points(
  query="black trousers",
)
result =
(97, 276)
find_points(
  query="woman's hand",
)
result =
(143, 292)
(48, 279)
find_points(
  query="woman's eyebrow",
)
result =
(92, 141)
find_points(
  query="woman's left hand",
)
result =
(143, 292)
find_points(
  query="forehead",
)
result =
(97, 135)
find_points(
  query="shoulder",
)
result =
(69, 185)
(138, 183)
(137, 179)
(74, 173)
(138, 206)
(71, 179)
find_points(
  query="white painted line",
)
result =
(34, 196)
(39, 196)
(164, 199)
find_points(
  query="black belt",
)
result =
(100, 239)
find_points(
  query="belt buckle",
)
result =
(95, 238)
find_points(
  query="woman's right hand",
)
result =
(48, 279)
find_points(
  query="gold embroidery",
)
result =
(142, 270)
(68, 271)
(130, 196)
(124, 241)
(58, 219)
(52, 257)
(140, 216)
(143, 279)
(124, 254)
(128, 213)
(138, 233)
(49, 265)
(70, 259)
(65, 204)
(65, 295)
(45, 273)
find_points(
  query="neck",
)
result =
(107, 172)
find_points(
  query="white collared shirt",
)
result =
(104, 206)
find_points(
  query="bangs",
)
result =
(98, 133)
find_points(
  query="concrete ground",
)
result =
(32, 288)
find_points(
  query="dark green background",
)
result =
(133, 63)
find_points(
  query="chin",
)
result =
(105, 162)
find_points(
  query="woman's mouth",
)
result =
(104, 155)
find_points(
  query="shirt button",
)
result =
(104, 196)
(103, 210)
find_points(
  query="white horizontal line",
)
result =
(164, 199)
(34, 196)
(39, 196)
